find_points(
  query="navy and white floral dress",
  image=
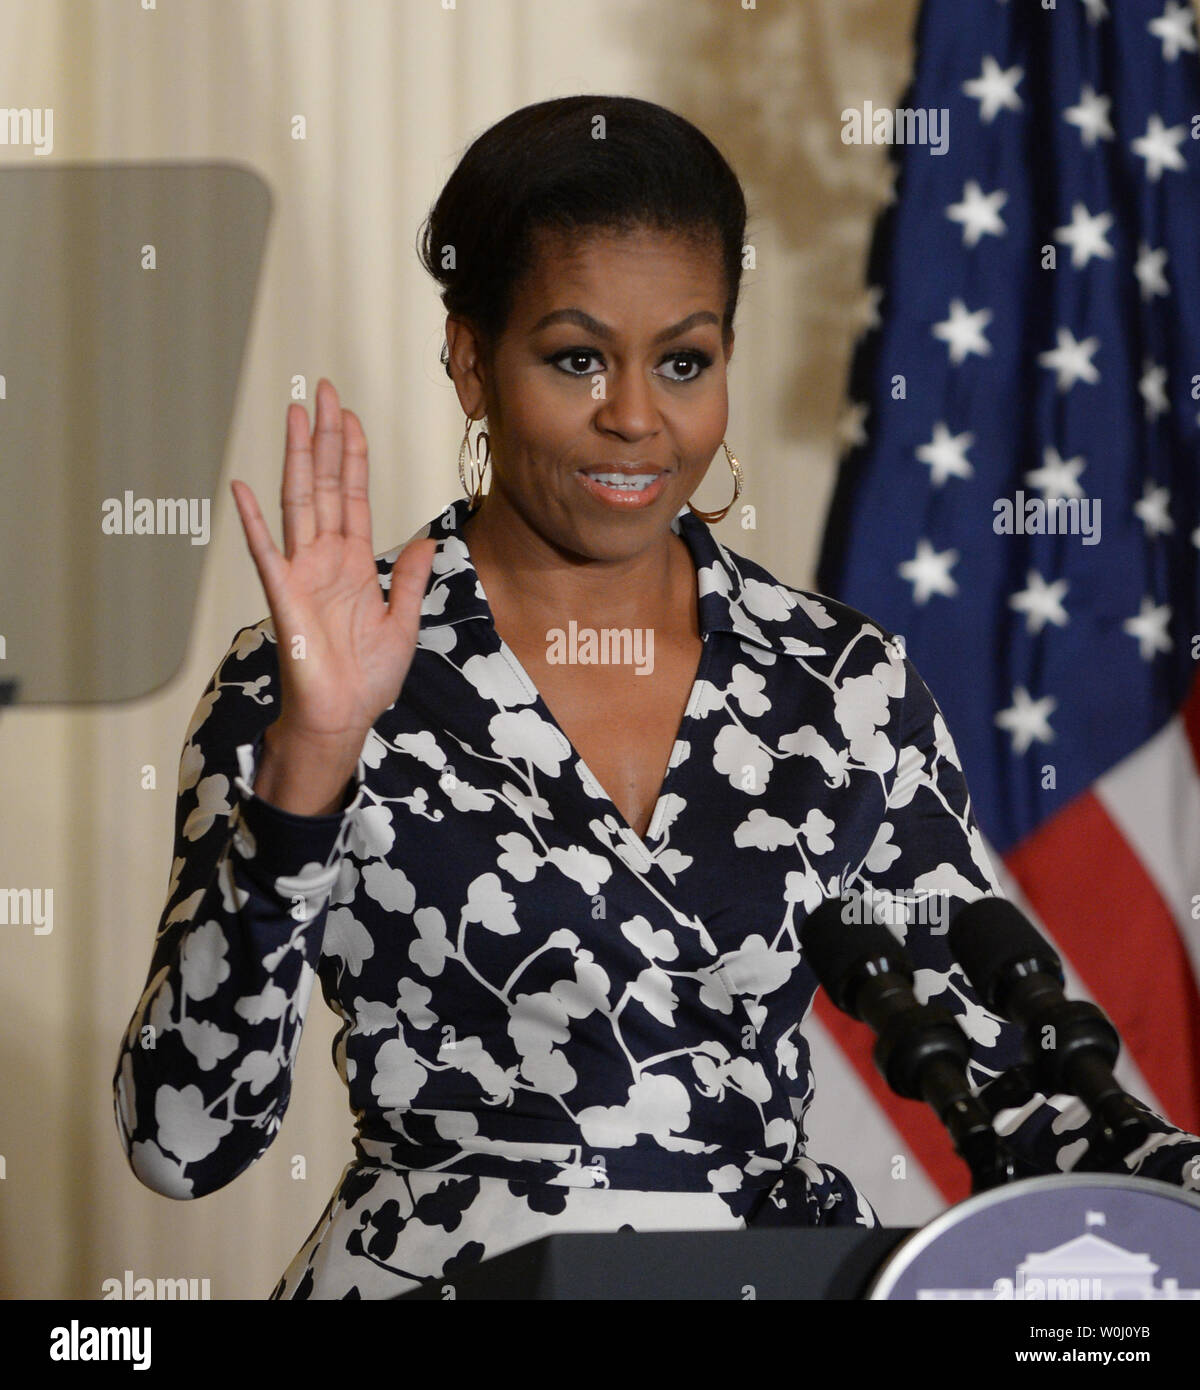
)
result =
(549, 1023)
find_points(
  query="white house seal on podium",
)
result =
(1040, 1239)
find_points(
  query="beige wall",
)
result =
(392, 91)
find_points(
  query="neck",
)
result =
(518, 567)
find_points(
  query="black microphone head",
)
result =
(990, 937)
(842, 942)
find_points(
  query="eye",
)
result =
(573, 355)
(700, 360)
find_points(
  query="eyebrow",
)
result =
(603, 331)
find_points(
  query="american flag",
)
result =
(1036, 340)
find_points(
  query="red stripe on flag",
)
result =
(918, 1125)
(1097, 901)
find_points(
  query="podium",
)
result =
(835, 1262)
(1063, 1237)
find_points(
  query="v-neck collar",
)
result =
(455, 595)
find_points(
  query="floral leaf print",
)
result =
(258, 1069)
(519, 858)
(431, 948)
(203, 965)
(348, 939)
(762, 831)
(495, 679)
(582, 866)
(211, 793)
(207, 1043)
(372, 832)
(269, 1002)
(816, 829)
(490, 905)
(656, 1105)
(525, 735)
(399, 1074)
(655, 945)
(883, 853)
(389, 886)
(185, 1128)
(861, 710)
(653, 990)
(741, 757)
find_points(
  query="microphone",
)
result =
(920, 1050)
(1069, 1044)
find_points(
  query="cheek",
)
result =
(704, 426)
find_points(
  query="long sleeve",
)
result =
(204, 1072)
(928, 860)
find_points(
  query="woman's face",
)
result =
(606, 395)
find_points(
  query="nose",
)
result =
(628, 408)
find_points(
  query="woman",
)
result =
(555, 898)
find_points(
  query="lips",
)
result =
(624, 486)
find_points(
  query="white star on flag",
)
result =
(1071, 359)
(979, 213)
(1085, 235)
(1027, 720)
(1152, 510)
(995, 89)
(1040, 602)
(1057, 477)
(929, 572)
(1159, 147)
(1091, 116)
(1152, 389)
(1150, 269)
(946, 454)
(1175, 28)
(963, 331)
(1096, 10)
(1150, 629)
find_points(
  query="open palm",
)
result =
(344, 651)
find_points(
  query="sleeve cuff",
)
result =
(283, 849)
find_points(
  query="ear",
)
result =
(467, 365)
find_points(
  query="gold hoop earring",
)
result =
(480, 456)
(736, 469)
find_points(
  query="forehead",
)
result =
(614, 268)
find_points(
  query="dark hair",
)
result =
(544, 168)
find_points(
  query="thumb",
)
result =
(410, 578)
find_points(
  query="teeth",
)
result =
(634, 482)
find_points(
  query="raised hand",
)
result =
(344, 651)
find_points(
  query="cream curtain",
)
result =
(392, 91)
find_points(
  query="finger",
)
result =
(327, 459)
(296, 497)
(410, 578)
(356, 506)
(267, 559)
